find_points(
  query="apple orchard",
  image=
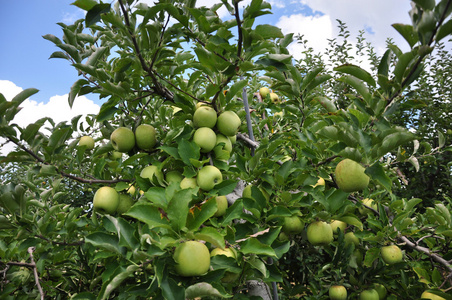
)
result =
(220, 167)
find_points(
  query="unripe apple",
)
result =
(293, 225)
(106, 200)
(188, 183)
(227, 142)
(192, 259)
(173, 176)
(350, 238)
(116, 155)
(205, 138)
(350, 176)
(125, 203)
(319, 233)
(274, 98)
(86, 141)
(222, 206)
(208, 177)
(122, 139)
(228, 123)
(391, 254)
(335, 224)
(337, 292)
(370, 294)
(233, 139)
(264, 91)
(370, 203)
(381, 290)
(205, 116)
(152, 173)
(145, 136)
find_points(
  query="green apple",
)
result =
(188, 183)
(335, 224)
(222, 206)
(116, 155)
(173, 176)
(152, 173)
(283, 237)
(205, 138)
(145, 137)
(275, 98)
(246, 193)
(319, 233)
(227, 142)
(192, 259)
(86, 141)
(122, 139)
(293, 225)
(208, 177)
(370, 203)
(370, 294)
(351, 238)
(337, 292)
(431, 296)
(381, 290)
(350, 176)
(106, 200)
(264, 91)
(205, 116)
(228, 123)
(391, 254)
(125, 203)
(233, 139)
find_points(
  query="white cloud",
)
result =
(57, 108)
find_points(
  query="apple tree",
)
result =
(202, 184)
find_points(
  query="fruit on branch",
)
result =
(116, 155)
(337, 292)
(319, 233)
(205, 138)
(145, 137)
(125, 203)
(208, 177)
(205, 116)
(370, 203)
(86, 141)
(264, 91)
(370, 294)
(350, 176)
(233, 139)
(188, 183)
(192, 259)
(106, 200)
(173, 176)
(351, 238)
(391, 254)
(222, 206)
(335, 224)
(152, 173)
(227, 142)
(292, 225)
(381, 290)
(431, 296)
(122, 139)
(228, 123)
(275, 98)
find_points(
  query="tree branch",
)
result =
(35, 271)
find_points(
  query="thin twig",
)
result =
(35, 271)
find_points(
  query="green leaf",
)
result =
(377, 172)
(125, 233)
(392, 141)
(104, 240)
(352, 220)
(94, 14)
(268, 31)
(148, 214)
(356, 72)
(211, 235)
(203, 289)
(402, 64)
(157, 196)
(75, 89)
(408, 33)
(235, 89)
(52, 38)
(23, 95)
(94, 57)
(199, 215)
(117, 280)
(358, 85)
(444, 30)
(326, 103)
(254, 246)
(188, 150)
(85, 4)
(371, 255)
(178, 208)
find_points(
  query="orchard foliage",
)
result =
(153, 65)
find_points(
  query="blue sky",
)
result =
(24, 53)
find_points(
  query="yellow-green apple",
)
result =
(125, 202)
(431, 296)
(370, 294)
(351, 238)
(292, 225)
(337, 292)
(228, 123)
(116, 155)
(381, 290)
(86, 141)
(205, 138)
(173, 176)
(278, 114)
(188, 183)
(106, 200)
(227, 142)
(199, 104)
(363, 210)
(283, 236)
(122, 139)
(335, 224)
(350, 176)
(264, 91)
(391, 254)
(208, 177)
(233, 139)
(205, 116)
(274, 98)
(152, 173)
(145, 137)
(222, 206)
(192, 259)
(319, 233)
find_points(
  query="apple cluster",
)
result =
(123, 139)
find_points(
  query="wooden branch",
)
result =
(35, 271)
